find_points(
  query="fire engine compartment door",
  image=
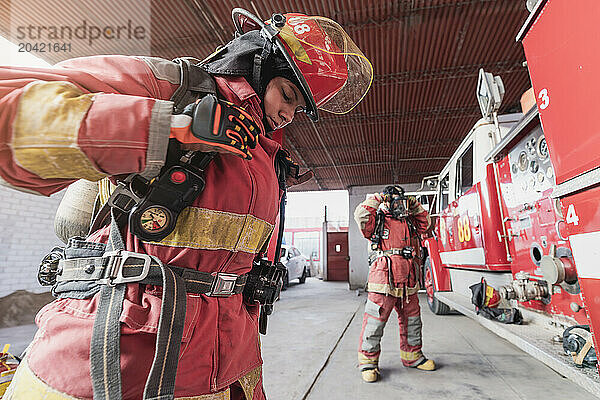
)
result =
(565, 73)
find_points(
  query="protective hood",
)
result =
(237, 59)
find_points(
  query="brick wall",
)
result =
(26, 235)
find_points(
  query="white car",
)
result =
(296, 264)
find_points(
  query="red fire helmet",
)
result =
(334, 74)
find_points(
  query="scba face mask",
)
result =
(397, 201)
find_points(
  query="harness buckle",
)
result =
(116, 262)
(122, 198)
(223, 285)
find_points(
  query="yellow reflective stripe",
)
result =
(410, 355)
(105, 189)
(249, 382)
(363, 359)
(25, 386)
(385, 288)
(489, 293)
(201, 228)
(294, 44)
(223, 395)
(45, 131)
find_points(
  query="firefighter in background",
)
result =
(391, 220)
(110, 116)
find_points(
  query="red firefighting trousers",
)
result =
(377, 311)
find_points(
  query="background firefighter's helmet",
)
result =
(484, 295)
(333, 73)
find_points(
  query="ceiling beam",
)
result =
(384, 146)
(408, 12)
(298, 155)
(374, 163)
(359, 177)
(460, 71)
(203, 11)
(318, 135)
(433, 113)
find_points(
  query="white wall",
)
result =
(26, 235)
(357, 244)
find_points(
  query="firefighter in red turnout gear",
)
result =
(392, 221)
(107, 117)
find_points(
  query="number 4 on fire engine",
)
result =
(572, 217)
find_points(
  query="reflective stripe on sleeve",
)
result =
(45, 131)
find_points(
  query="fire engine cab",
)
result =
(517, 203)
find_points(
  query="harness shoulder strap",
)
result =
(195, 82)
(378, 231)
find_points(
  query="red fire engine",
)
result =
(518, 201)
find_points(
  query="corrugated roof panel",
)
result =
(426, 55)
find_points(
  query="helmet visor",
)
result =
(338, 46)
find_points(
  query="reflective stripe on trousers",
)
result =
(377, 312)
(27, 386)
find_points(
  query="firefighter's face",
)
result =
(397, 205)
(282, 101)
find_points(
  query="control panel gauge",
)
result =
(542, 148)
(534, 166)
(523, 161)
(541, 177)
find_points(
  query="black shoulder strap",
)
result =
(195, 83)
(282, 169)
(379, 226)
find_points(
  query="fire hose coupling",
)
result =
(525, 289)
(557, 267)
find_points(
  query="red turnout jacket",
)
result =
(97, 117)
(391, 275)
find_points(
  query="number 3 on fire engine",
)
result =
(572, 217)
(464, 230)
(545, 100)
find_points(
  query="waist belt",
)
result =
(119, 267)
(381, 253)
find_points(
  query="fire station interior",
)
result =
(450, 117)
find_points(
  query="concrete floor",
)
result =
(473, 363)
(310, 354)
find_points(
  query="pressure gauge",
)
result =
(514, 169)
(534, 166)
(540, 177)
(549, 172)
(523, 161)
(155, 216)
(542, 148)
(531, 146)
(155, 219)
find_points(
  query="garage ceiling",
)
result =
(426, 55)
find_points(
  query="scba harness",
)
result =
(151, 207)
